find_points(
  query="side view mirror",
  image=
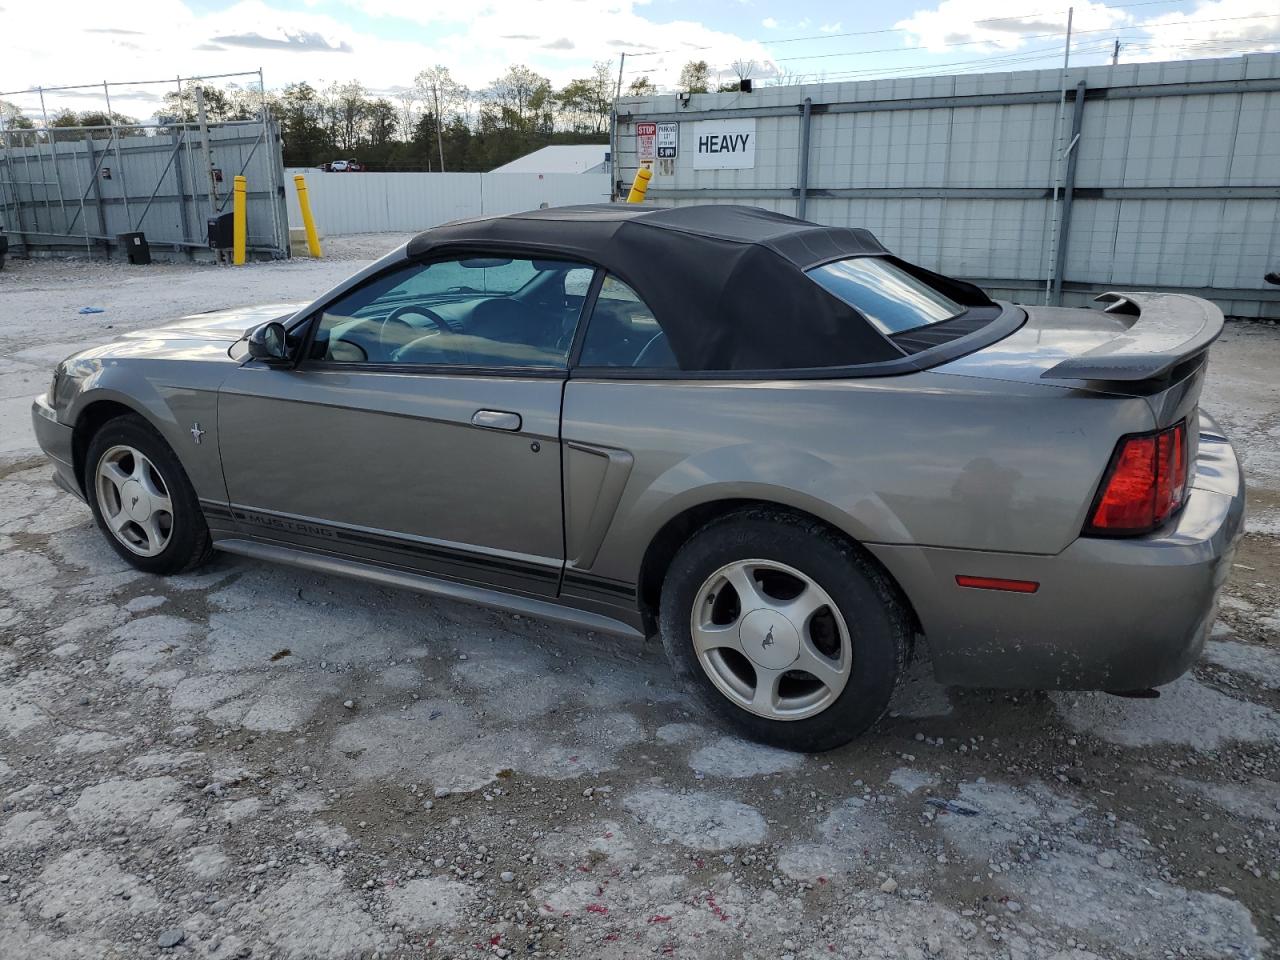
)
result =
(267, 342)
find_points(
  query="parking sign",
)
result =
(668, 140)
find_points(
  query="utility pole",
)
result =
(613, 132)
(1066, 50)
(1056, 157)
(1115, 53)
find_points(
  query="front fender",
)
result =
(174, 396)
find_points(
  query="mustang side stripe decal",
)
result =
(602, 584)
(575, 580)
(313, 528)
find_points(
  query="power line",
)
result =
(1092, 48)
(1010, 58)
(965, 42)
(1025, 56)
(1014, 19)
(1035, 36)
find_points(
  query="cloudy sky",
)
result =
(383, 43)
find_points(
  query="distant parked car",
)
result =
(344, 166)
(775, 444)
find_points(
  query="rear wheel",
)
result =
(784, 629)
(142, 500)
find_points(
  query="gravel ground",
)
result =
(256, 761)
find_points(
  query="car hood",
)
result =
(217, 326)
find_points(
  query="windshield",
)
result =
(889, 297)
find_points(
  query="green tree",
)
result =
(125, 126)
(443, 96)
(574, 102)
(695, 77)
(641, 87)
(346, 112)
(382, 119)
(521, 100)
(12, 117)
(301, 116)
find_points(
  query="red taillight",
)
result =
(1145, 484)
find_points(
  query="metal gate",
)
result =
(78, 189)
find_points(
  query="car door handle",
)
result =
(496, 419)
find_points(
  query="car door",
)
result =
(421, 427)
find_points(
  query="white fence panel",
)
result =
(513, 192)
(403, 202)
(385, 202)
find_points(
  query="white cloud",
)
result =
(769, 23)
(1214, 28)
(831, 27)
(999, 24)
(165, 38)
(1218, 29)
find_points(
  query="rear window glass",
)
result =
(891, 299)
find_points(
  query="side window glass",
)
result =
(464, 311)
(623, 332)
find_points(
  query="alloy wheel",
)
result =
(134, 500)
(771, 639)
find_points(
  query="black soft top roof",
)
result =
(725, 282)
(594, 228)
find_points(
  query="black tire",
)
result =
(189, 543)
(878, 625)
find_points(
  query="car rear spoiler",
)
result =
(1168, 328)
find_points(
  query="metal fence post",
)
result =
(208, 150)
(115, 139)
(1068, 188)
(275, 189)
(53, 147)
(97, 191)
(179, 179)
(15, 196)
(806, 118)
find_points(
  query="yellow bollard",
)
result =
(640, 185)
(238, 221)
(313, 238)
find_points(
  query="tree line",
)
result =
(436, 123)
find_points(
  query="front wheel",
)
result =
(142, 500)
(784, 629)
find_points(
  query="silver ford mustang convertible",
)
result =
(777, 446)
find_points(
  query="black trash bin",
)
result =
(136, 247)
(221, 231)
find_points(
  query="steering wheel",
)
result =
(395, 331)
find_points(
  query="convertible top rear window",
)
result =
(891, 299)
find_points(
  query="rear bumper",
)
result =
(55, 440)
(1109, 614)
